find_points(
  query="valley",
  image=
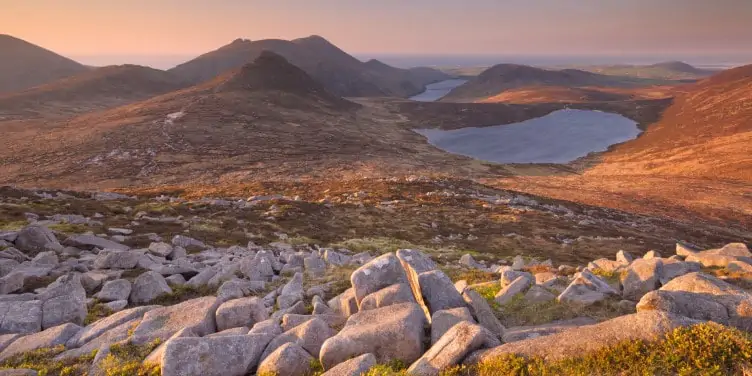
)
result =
(278, 207)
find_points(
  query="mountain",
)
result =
(706, 133)
(266, 119)
(503, 77)
(91, 90)
(24, 65)
(339, 72)
(693, 163)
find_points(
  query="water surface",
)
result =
(559, 137)
(437, 90)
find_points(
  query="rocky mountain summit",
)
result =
(116, 299)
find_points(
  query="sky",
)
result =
(173, 29)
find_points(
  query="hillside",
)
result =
(670, 70)
(94, 89)
(503, 77)
(697, 153)
(268, 118)
(339, 72)
(24, 65)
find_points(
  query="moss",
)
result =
(471, 276)
(97, 312)
(394, 368)
(7, 225)
(704, 349)
(182, 293)
(127, 360)
(43, 361)
(69, 228)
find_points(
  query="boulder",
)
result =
(651, 255)
(624, 257)
(289, 360)
(586, 289)
(703, 297)
(21, 317)
(378, 273)
(196, 314)
(518, 286)
(483, 313)
(336, 258)
(345, 304)
(101, 326)
(544, 278)
(508, 275)
(393, 332)
(432, 289)
(188, 243)
(64, 301)
(46, 258)
(115, 259)
(147, 287)
(587, 339)
(256, 268)
(641, 277)
(156, 356)
(442, 321)
(606, 265)
(394, 294)
(310, 336)
(160, 249)
(676, 268)
(538, 294)
(721, 257)
(234, 355)
(240, 312)
(358, 366)
(7, 339)
(119, 289)
(460, 340)
(18, 372)
(270, 327)
(35, 239)
(468, 261)
(90, 242)
(51, 337)
(519, 333)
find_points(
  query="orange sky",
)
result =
(165, 27)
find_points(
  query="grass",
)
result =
(472, 276)
(518, 312)
(68, 228)
(97, 312)
(182, 293)
(9, 225)
(43, 361)
(376, 244)
(704, 349)
(127, 360)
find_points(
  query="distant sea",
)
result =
(408, 61)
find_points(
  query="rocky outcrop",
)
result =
(234, 355)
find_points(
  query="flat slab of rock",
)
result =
(394, 332)
(195, 314)
(92, 241)
(520, 333)
(586, 339)
(115, 259)
(52, 337)
(119, 289)
(586, 289)
(99, 327)
(722, 256)
(310, 335)
(444, 320)
(508, 292)
(214, 356)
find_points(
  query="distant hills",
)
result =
(670, 70)
(503, 77)
(339, 72)
(24, 65)
(90, 90)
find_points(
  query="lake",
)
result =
(559, 137)
(437, 90)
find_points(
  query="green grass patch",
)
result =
(97, 312)
(68, 228)
(127, 360)
(472, 276)
(6, 225)
(704, 349)
(43, 361)
(182, 293)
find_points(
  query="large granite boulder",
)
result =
(35, 239)
(394, 294)
(586, 289)
(289, 360)
(240, 312)
(450, 350)
(233, 355)
(147, 287)
(64, 301)
(393, 332)
(641, 277)
(377, 274)
(196, 314)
